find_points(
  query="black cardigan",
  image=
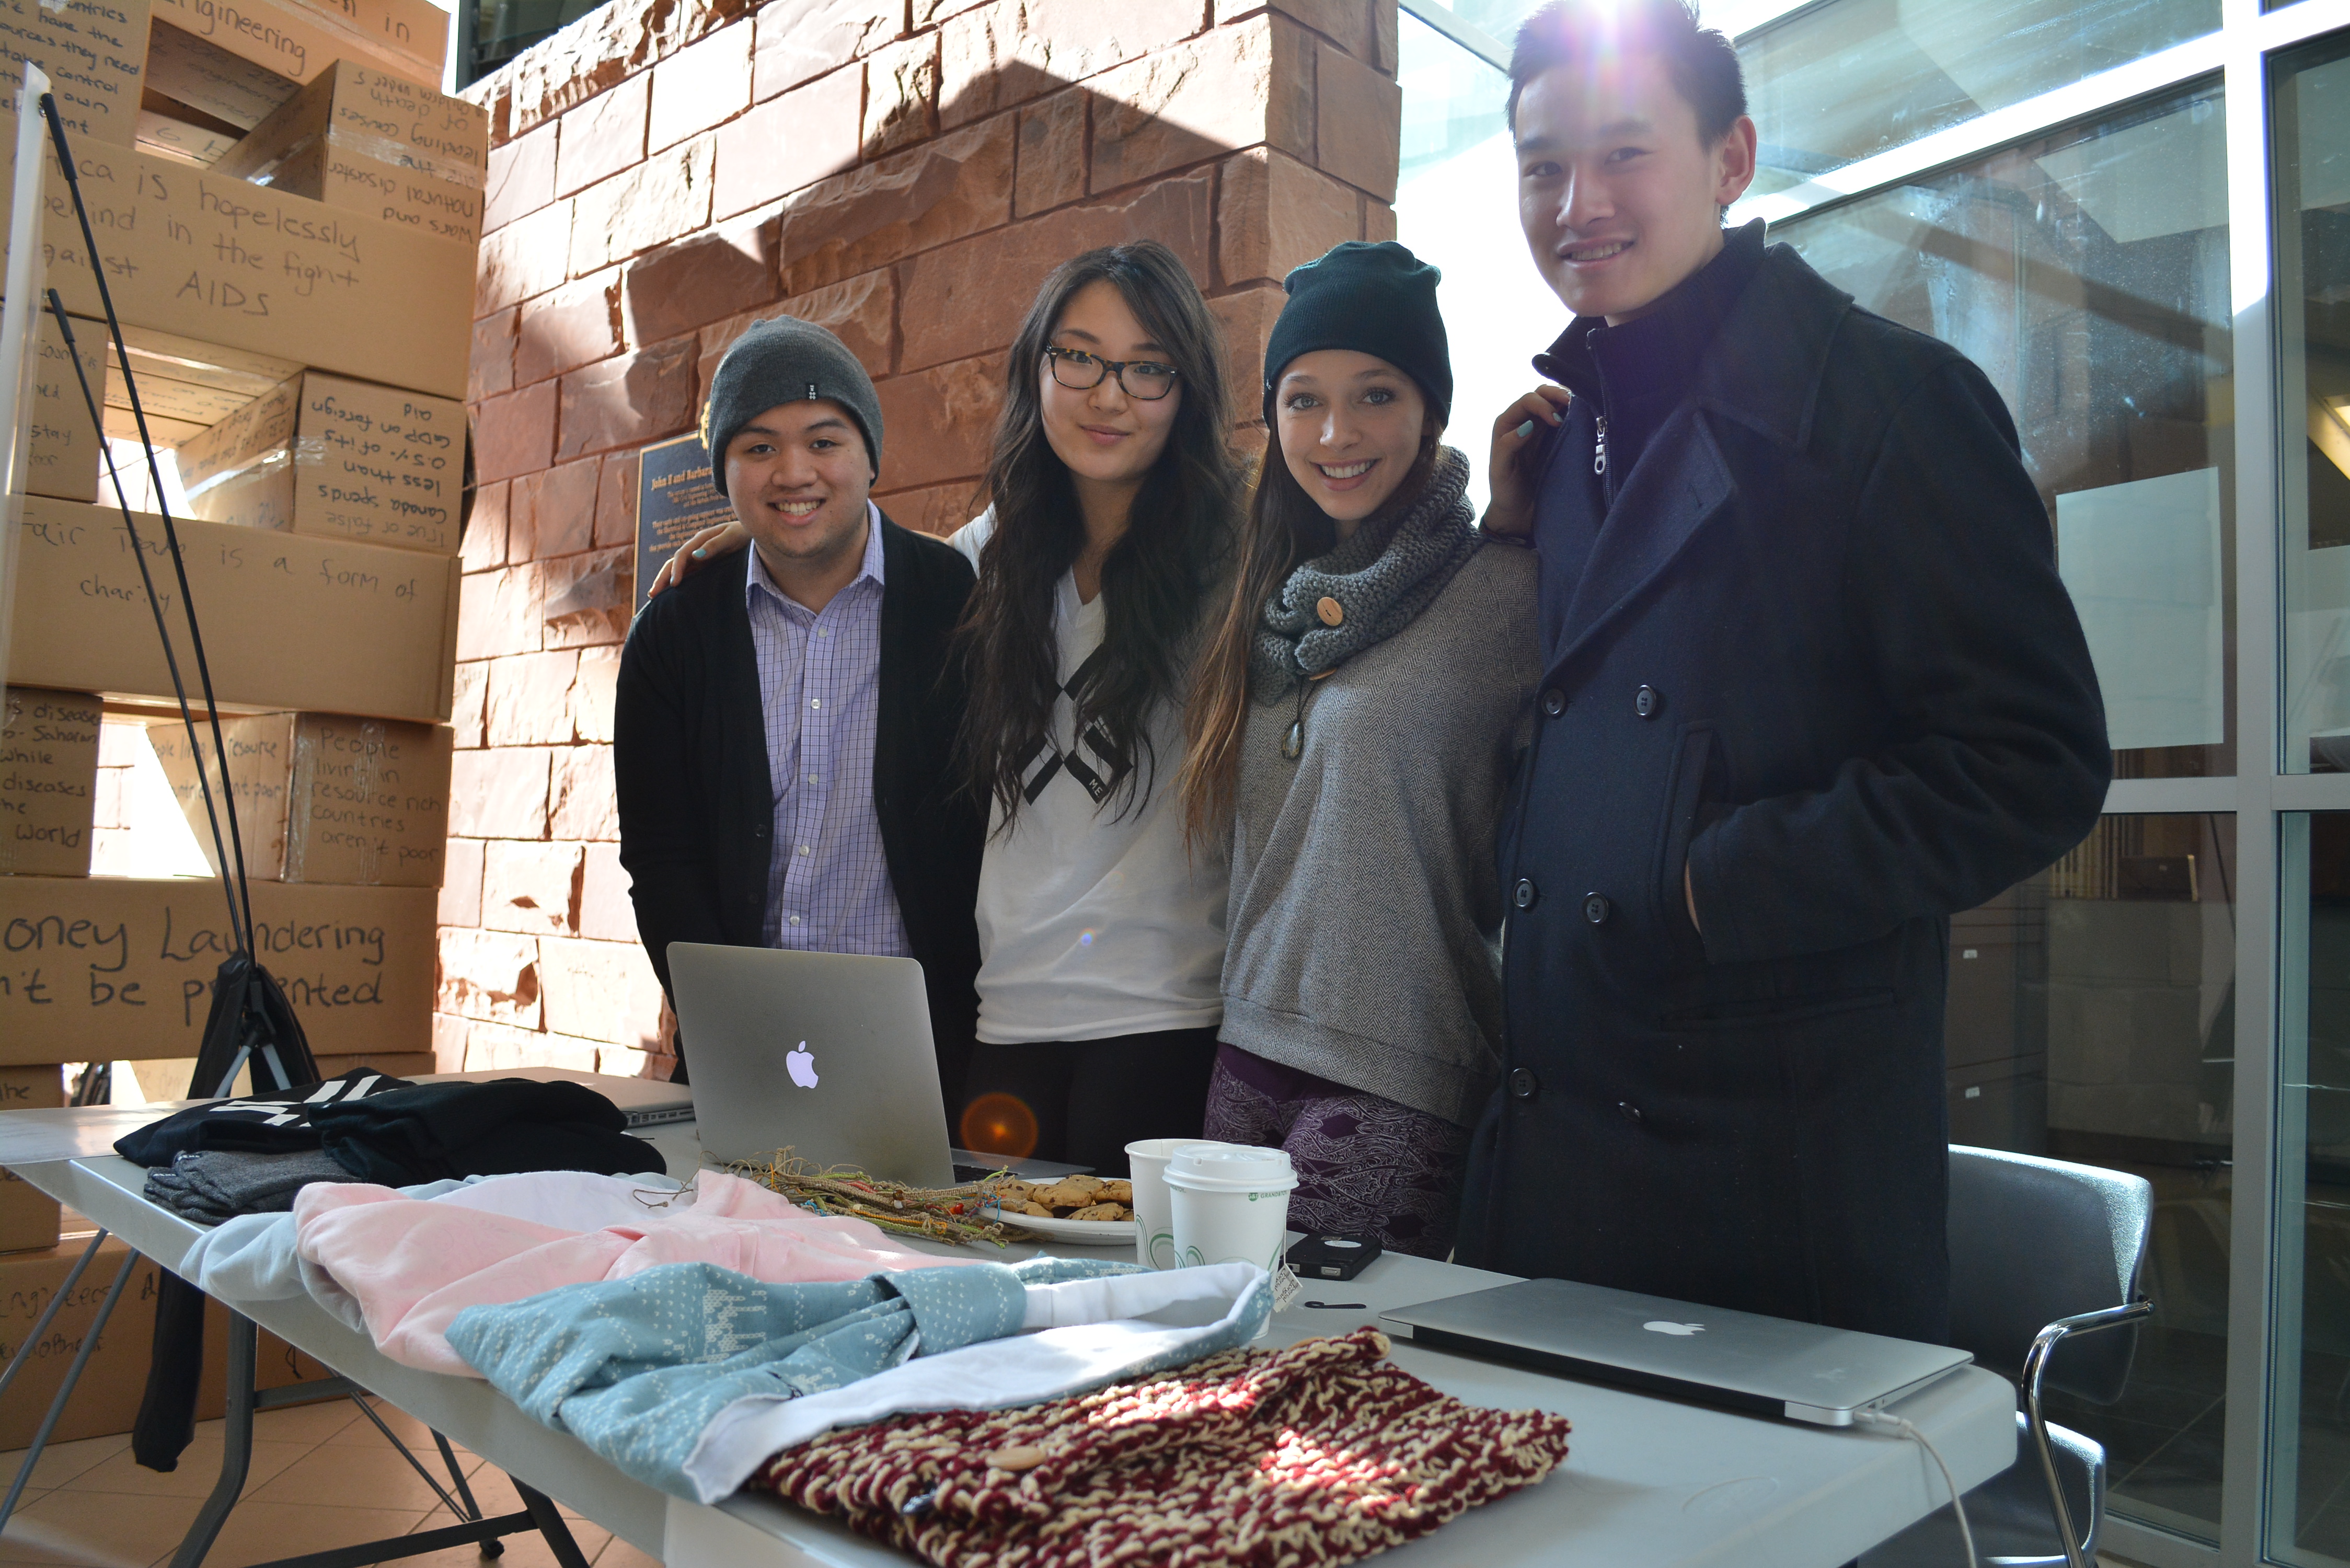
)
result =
(690, 761)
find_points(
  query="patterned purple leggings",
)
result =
(1366, 1166)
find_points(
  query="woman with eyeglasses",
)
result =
(1116, 497)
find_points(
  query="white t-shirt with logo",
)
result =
(1093, 920)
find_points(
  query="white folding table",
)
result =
(1648, 1481)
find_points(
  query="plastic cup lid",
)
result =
(1231, 1165)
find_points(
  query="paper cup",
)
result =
(1154, 1223)
(1230, 1203)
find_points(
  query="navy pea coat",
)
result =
(1820, 654)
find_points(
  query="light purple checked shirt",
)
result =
(820, 693)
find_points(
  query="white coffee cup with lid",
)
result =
(1154, 1221)
(1230, 1203)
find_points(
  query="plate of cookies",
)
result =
(1087, 1209)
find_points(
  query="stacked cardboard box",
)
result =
(373, 143)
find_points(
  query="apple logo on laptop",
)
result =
(1679, 1330)
(801, 1064)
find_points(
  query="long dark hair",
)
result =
(1285, 528)
(1155, 581)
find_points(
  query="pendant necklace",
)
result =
(1293, 744)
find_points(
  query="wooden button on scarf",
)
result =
(1019, 1457)
(1331, 612)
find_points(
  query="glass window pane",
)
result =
(1834, 83)
(2092, 1018)
(2312, 195)
(2086, 272)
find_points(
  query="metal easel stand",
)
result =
(540, 1512)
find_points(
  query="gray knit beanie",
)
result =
(783, 360)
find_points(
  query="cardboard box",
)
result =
(297, 40)
(49, 782)
(106, 1400)
(290, 622)
(197, 254)
(28, 1217)
(93, 56)
(329, 456)
(186, 387)
(412, 1064)
(65, 458)
(211, 80)
(183, 132)
(373, 143)
(114, 967)
(321, 798)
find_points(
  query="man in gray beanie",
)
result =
(784, 723)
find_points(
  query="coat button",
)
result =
(1330, 611)
(1524, 894)
(1523, 1085)
(1595, 907)
(1646, 702)
(1630, 1112)
(1554, 703)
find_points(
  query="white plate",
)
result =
(1084, 1232)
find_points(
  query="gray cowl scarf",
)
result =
(1382, 577)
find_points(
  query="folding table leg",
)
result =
(73, 1375)
(24, 1351)
(236, 1449)
(549, 1519)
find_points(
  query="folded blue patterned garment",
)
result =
(637, 1368)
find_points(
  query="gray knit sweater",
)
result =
(1362, 942)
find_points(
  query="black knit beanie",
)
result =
(1377, 299)
(781, 361)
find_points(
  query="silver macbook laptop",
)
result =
(1766, 1365)
(827, 1054)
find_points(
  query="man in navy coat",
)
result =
(1812, 685)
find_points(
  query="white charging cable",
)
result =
(1878, 1421)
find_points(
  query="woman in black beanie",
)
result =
(1352, 733)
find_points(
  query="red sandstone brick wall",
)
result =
(904, 172)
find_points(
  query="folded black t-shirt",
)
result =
(263, 1124)
(431, 1132)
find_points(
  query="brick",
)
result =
(701, 279)
(939, 421)
(602, 136)
(664, 198)
(530, 887)
(790, 140)
(461, 883)
(606, 912)
(489, 975)
(483, 543)
(521, 178)
(929, 13)
(700, 87)
(943, 189)
(998, 56)
(969, 297)
(601, 990)
(470, 707)
(553, 513)
(591, 693)
(587, 599)
(449, 1043)
(514, 433)
(490, 367)
(1384, 22)
(935, 509)
(1052, 153)
(566, 328)
(1274, 213)
(1358, 122)
(490, 1046)
(629, 399)
(498, 794)
(620, 1062)
(530, 699)
(497, 613)
(601, 50)
(1378, 220)
(902, 95)
(616, 499)
(581, 802)
(527, 257)
(1235, 88)
(858, 310)
(1352, 25)
(1246, 316)
(800, 40)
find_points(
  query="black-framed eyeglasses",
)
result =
(1082, 372)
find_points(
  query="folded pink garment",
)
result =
(412, 1264)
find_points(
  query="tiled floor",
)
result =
(322, 1477)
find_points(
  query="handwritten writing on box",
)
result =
(377, 464)
(245, 266)
(93, 52)
(49, 782)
